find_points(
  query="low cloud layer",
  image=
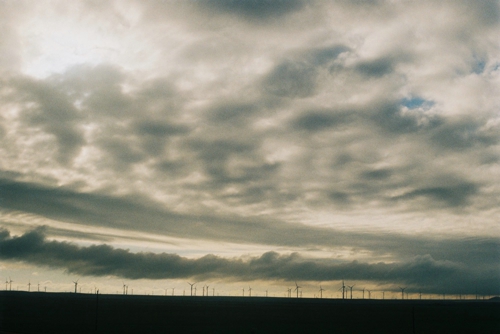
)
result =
(421, 273)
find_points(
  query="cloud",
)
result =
(258, 10)
(456, 195)
(422, 272)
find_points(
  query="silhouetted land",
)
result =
(37, 312)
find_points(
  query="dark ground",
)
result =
(38, 312)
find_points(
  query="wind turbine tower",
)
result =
(29, 286)
(297, 287)
(343, 289)
(350, 287)
(402, 292)
(191, 287)
(249, 292)
(76, 284)
(321, 292)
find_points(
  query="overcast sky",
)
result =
(251, 142)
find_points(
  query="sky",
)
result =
(251, 144)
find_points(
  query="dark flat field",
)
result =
(36, 312)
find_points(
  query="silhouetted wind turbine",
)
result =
(249, 291)
(124, 287)
(38, 286)
(343, 289)
(363, 293)
(76, 284)
(10, 284)
(402, 292)
(350, 287)
(321, 291)
(207, 289)
(289, 290)
(29, 286)
(6, 284)
(191, 287)
(297, 287)
(369, 294)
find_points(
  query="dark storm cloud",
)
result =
(421, 273)
(452, 195)
(464, 133)
(127, 212)
(46, 107)
(257, 10)
(393, 119)
(291, 79)
(320, 120)
(376, 68)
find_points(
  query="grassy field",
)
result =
(36, 312)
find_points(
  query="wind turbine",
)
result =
(249, 292)
(173, 289)
(369, 294)
(6, 284)
(350, 287)
(10, 284)
(191, 287)
(297, 287)
(76, 284)
(363, 293)
(124, 287)
(289, 290)
(29, 286)
(402, 292)
(38, 286)
(207, 289)
(343, 289)
(321, 291)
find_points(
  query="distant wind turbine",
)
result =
(6, 284)
(76, 284)
(249, 292)
(369, 294)
(342, 288)
(191, 287)
(29, 286)
(402, 292)
(321, 291)
(297, 287)
(207, 289)
(350, 287)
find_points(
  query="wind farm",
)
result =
(122, 313)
